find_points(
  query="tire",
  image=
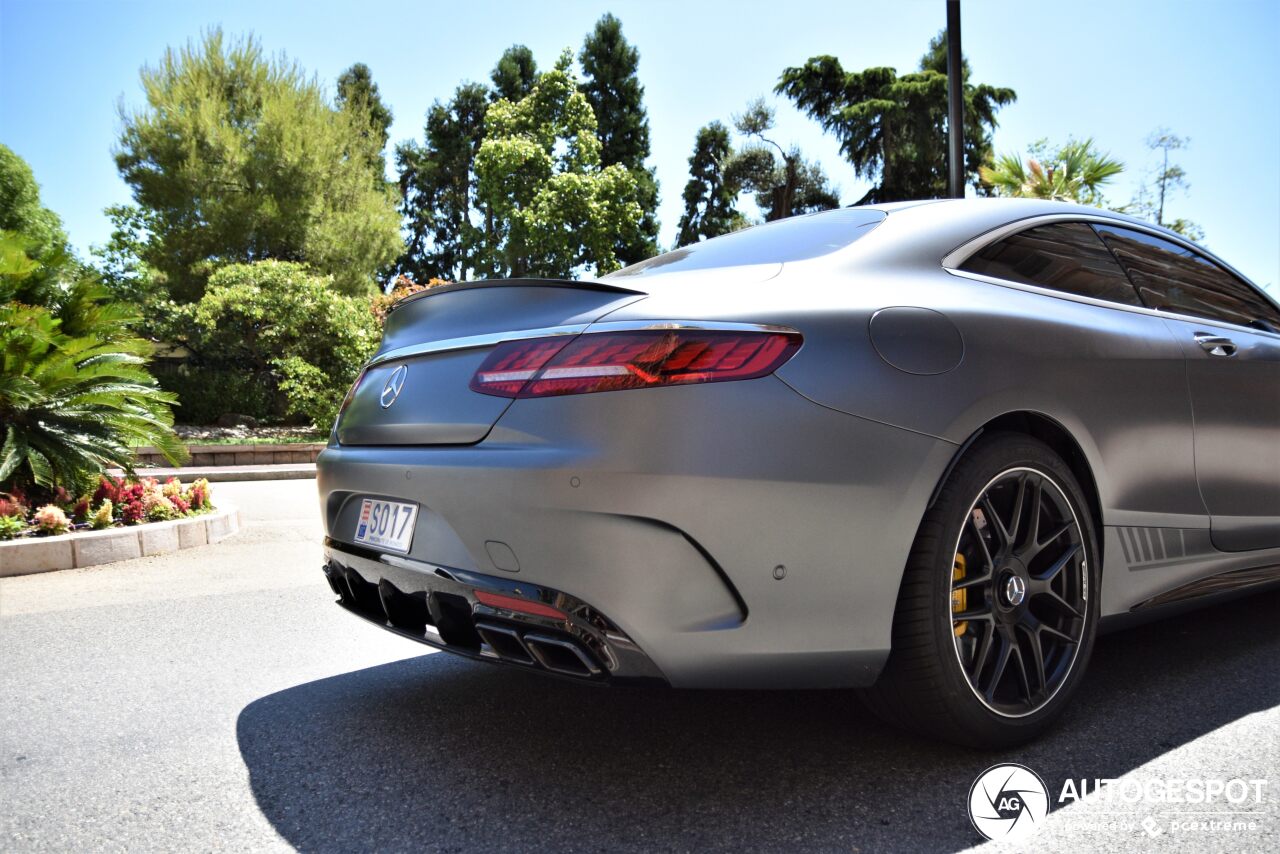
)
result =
(934, 681)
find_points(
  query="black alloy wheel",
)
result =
(1019, 592)
(998, 606)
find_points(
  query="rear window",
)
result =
(1065, 256)
(1173, 278)
(792, 239)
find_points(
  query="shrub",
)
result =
(205, 393)
(280, 322)
(11, 527)
(11, 506)
(50, 519)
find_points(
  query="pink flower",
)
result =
(50, 519)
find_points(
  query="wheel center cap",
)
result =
(1014, 590)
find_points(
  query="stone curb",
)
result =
(91, 548)
(204, 456)
(230, 474)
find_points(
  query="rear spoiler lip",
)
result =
(576, 284)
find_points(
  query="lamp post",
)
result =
(955, 104)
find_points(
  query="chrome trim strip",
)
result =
(470, 342)
(494, 338)
(706, 325)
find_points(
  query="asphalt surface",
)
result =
(217, 699)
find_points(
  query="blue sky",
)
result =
(1110, 70)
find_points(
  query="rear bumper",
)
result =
(737, 534)
(439, 607)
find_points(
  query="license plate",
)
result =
(386, 524)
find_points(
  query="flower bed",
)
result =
(116, 502)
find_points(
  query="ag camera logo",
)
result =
(1008, 802)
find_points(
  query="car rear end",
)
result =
(549, 475)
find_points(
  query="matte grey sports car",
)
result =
(925, 448)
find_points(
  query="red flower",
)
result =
(109, 488)
(133, 512)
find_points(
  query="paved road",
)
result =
(216, 699)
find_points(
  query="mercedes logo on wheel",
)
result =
(1008, 802)
(1015, 590)
(395, 383)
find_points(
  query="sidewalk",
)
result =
(223, 474)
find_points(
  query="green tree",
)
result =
(282, 322)
(514, 75)
(1074, 172)
(892, 127)
(22, 213)
(612, 87)
(784, 184)
(554, 208)
(1162, 182)
(358, 95)
(709, 197)
(238, 158)
(120, 261)
(438, 188)
(75, 394)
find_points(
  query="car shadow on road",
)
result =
(438, 753)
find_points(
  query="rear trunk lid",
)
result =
(441, 337)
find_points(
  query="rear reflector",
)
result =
(514, 603)
(613, 361)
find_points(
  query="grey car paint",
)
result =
(753, 534)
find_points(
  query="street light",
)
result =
(955, 104)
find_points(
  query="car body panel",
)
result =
(754, 533)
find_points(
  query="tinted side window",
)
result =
(1173, 278)
(1065, 256)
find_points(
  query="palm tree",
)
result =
(75, 394)
(1075, 173)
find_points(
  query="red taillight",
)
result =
(612, 361)
(351, 392)
(514, 603)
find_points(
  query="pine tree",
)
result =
(358, 95)
(613, 89)
(708, 198)
(892, 127)
(437, 188)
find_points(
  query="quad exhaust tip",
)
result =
(555, 654)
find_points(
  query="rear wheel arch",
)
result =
(1056, 436)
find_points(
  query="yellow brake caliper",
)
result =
(959, 598)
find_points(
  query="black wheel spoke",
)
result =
(1035, 548)
(971, 581)
(984, 651)
(1037, 501)
(982, 544)
(1019, 505)
(972, 614)
(1046, 629)
(997, 673)
(1057, 566)
(1023, 679)
(995, 523)
(1061, 604)
(1037, 660)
